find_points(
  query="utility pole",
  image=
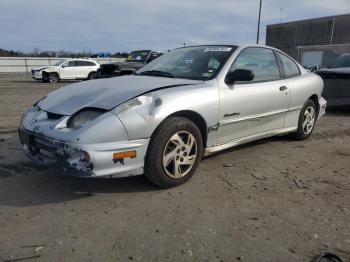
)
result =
(281, 15)
(257, 35)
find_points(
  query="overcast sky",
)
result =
(125, 25)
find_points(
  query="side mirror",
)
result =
(314, 68)
(239, 75)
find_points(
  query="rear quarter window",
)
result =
(290, 68)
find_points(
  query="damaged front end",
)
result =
(80, 147)
(54, 153)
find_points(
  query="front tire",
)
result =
(174, 152)
(45, 79)
(307, 120)
(53, 78)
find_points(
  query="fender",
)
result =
(141, 119)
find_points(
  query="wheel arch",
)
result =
(51, 72)
(91, 72)
(196, 118)
(45, 74)
(314, 98)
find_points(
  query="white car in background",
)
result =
(71, 69)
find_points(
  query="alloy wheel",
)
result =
(53, 78)
(309, 120)
(179, 154)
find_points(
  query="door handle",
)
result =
(282, 88)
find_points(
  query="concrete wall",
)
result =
(25, 64)
(332, 30)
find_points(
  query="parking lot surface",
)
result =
(272, 200)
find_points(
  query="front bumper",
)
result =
(36, 75)
(93, 160)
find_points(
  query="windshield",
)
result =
(197, 63)
(58, 63)
(342, 61)
(137, 56)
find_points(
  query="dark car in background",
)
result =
(135, 61)
(336, 79)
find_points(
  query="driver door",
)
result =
(68, 70)
(257, 106)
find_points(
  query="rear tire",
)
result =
(92, 76)
(174, 152)
(307, 120)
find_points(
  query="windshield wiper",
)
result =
(157, 73)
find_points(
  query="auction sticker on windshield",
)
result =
(218, 49)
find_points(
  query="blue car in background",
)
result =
(101, 55)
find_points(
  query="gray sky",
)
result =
(125, 25)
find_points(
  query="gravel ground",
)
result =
(271, 200)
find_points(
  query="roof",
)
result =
(308, 20)
(226, 45)
(233, 46)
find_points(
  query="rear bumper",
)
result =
(93, 160)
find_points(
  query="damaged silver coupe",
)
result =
(190, 102)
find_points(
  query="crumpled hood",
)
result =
(40, 68)
(105, 93)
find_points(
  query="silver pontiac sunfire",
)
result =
(190, 102)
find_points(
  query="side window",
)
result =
(261, 61)
(71, 63)
(90, 63)
(289, 66)
(81, 63)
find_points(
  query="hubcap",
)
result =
(309, 120)
(179, 154)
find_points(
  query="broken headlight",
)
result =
(83, 117)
